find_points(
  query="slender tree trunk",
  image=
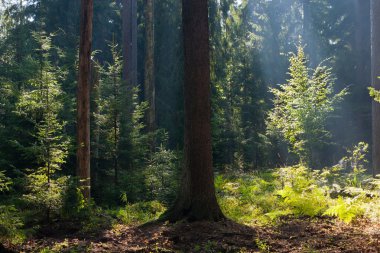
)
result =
(363, 68)
(362, 44)
(375, 55)
(197, 200)
(308, 32)
(129, 27)
(83, 97)
(149, 84)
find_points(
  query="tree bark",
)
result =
(375, 56)
(83, 97)
(362, 40)
(129, 27)
(360, 106)
(308, 32)
(197, 200)
(149, 80)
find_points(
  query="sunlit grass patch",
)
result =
(255, 199)
(141, 212)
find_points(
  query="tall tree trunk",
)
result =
(375, 55)
(308, 32)
(149, 82)
(197, 200)
(83, 97)
(362, 40)
(129, 27)
(361, 102)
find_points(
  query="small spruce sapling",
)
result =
(41, 104)
(302, 107)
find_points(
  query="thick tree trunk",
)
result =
(375, 40)
(197, 200)
(149, 82)
(129, 27)
(83, 97)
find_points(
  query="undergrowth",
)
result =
(343, 191)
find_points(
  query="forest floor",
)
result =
(292, 235)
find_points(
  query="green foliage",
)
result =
(310, 202)
(140, 212)
(300, 191)
(74, 206)
(302, 106)
(239, 97)
(5, 182)
(10, 225)
(262, 245)
(375, 94)
(356, 163)
(247, 198)
(261, 198)
(110, 103)
(345, 209)
(41, 104)
(161, 175)
(45, 197)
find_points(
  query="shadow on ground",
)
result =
(292, 235)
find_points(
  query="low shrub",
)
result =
(140, 212)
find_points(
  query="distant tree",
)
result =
(129, 32)
(302, 106)
(375, 40)
(197, 200)
(149, 82)
(83, 97)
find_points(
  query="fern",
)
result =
(345, 209)
(310, 202)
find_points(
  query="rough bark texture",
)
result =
(197, 200)
(149, 84)
(375, 40)
(129, 23)
(83, 97)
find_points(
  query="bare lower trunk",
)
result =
(83, 98)
(197, 200)
(375, 38)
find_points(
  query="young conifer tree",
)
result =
(302, 107)
(41, 103)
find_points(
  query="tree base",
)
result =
(194, 212)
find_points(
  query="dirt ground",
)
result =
(292, 235)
